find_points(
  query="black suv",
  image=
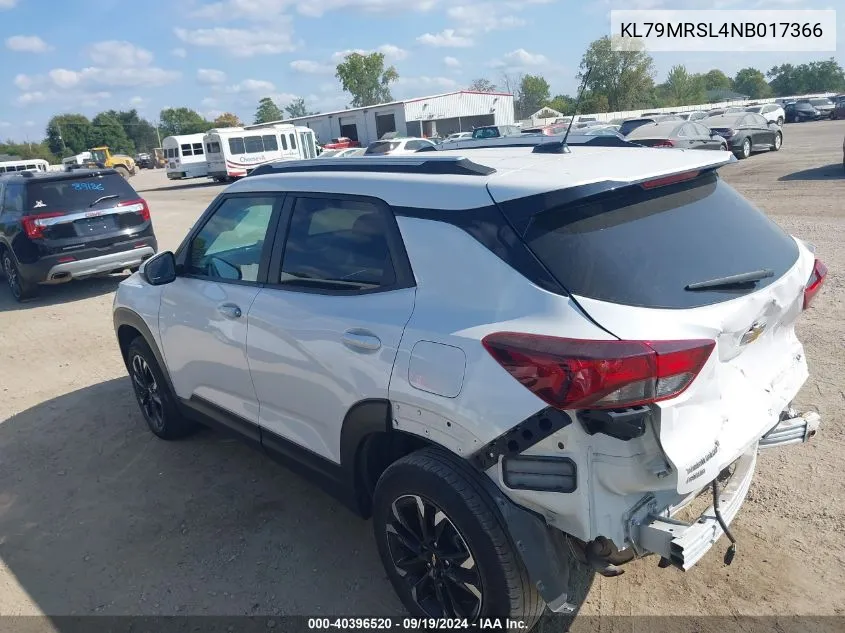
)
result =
(58, 226)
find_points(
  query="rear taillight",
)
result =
(579, 374)
(33, 225)
(815, 282)
(143, 208)
(664, 143)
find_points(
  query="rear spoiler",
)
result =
(549, 144)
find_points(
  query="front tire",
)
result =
(157, 401)
(20, 288)
(778, 142)
(443, 546)
(745, 150)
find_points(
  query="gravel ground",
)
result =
(99, 517)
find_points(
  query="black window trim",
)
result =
(398, 255)
(182, 253)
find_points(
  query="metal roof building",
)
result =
(437, 115)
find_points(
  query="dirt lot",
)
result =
(99, 517)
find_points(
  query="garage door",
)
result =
(385, 123)
(348, 128)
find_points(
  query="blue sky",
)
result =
(224, 55)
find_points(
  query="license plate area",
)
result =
(95, 226)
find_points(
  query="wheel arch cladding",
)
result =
(369, 445)
(128, 326)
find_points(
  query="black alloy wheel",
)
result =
(433, 558)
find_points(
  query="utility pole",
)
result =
(158, 134)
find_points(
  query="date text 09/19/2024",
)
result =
(325, 624)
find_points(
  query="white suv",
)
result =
(502, 355)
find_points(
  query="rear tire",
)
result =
(443, 546)
(156, 400)
(21, 289)
(745, 150)
(124, 173)
(778, 142)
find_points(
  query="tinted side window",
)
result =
(284, 138)
(292, 141)
(270, 143)
(13, 199)
(198, 149)
(702, 130)
(230, 244)
(186, 150)
(236, 145)
(338, 244)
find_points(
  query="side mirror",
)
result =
(159, 269)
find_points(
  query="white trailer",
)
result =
(33, 164)
(234, 152)
(185, 156)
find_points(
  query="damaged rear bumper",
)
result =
(684, 544)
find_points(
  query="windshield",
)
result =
(820, 102)
(629, 126)
(382, 147)
(642, 247)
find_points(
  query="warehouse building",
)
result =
(438, 115)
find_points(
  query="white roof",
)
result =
(519, 173)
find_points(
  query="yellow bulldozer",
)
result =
(103, 158)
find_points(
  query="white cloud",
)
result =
(27, 44)
(251, 86)
(179, 52)
(209, 76)
(311, 67)
(487, 16)
(242, 42)
(29, 123)
(119, 54)
(390, 52)
(452, 62)
(5, 124)
(521, 58)
(65, 78)
(263, 10)
(447, 38)
(137, 101)
(24, 82)
(83, 98)
(93, 77)
(282, 99)
(409, 84)
(209, 102)
(7, 4)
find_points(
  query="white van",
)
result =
(33, 164)
(234, 152)
(185, 156)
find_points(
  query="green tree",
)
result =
(107, 130)
(751, 82)
(175, 121)
(681, 88)
(267, 111)
(785, 80)
(593, 102)
(27, 151)
(296, 109)
(717, 80)
(824, 76)
(69, 134)
(482, 85)
(562, 103)
(624, 77)
(533, 93)
(227, 119)
(141, 132)
(366, 79)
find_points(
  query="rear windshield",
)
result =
(629, 126)
(75, 194)
(642, 248)
(382, 147)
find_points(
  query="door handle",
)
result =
(229, 310)
(361, 340)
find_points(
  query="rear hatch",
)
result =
(87, 210)
(644, 263)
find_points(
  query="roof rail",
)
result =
(428, 165)
(549, 144)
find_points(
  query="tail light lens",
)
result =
(815, 282)
(664, 143)
(581, 374)
(669, 180)
(143, 207)
(33, 225)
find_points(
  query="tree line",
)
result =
(618, 81)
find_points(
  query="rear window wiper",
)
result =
(732, 280)
(99, 200)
